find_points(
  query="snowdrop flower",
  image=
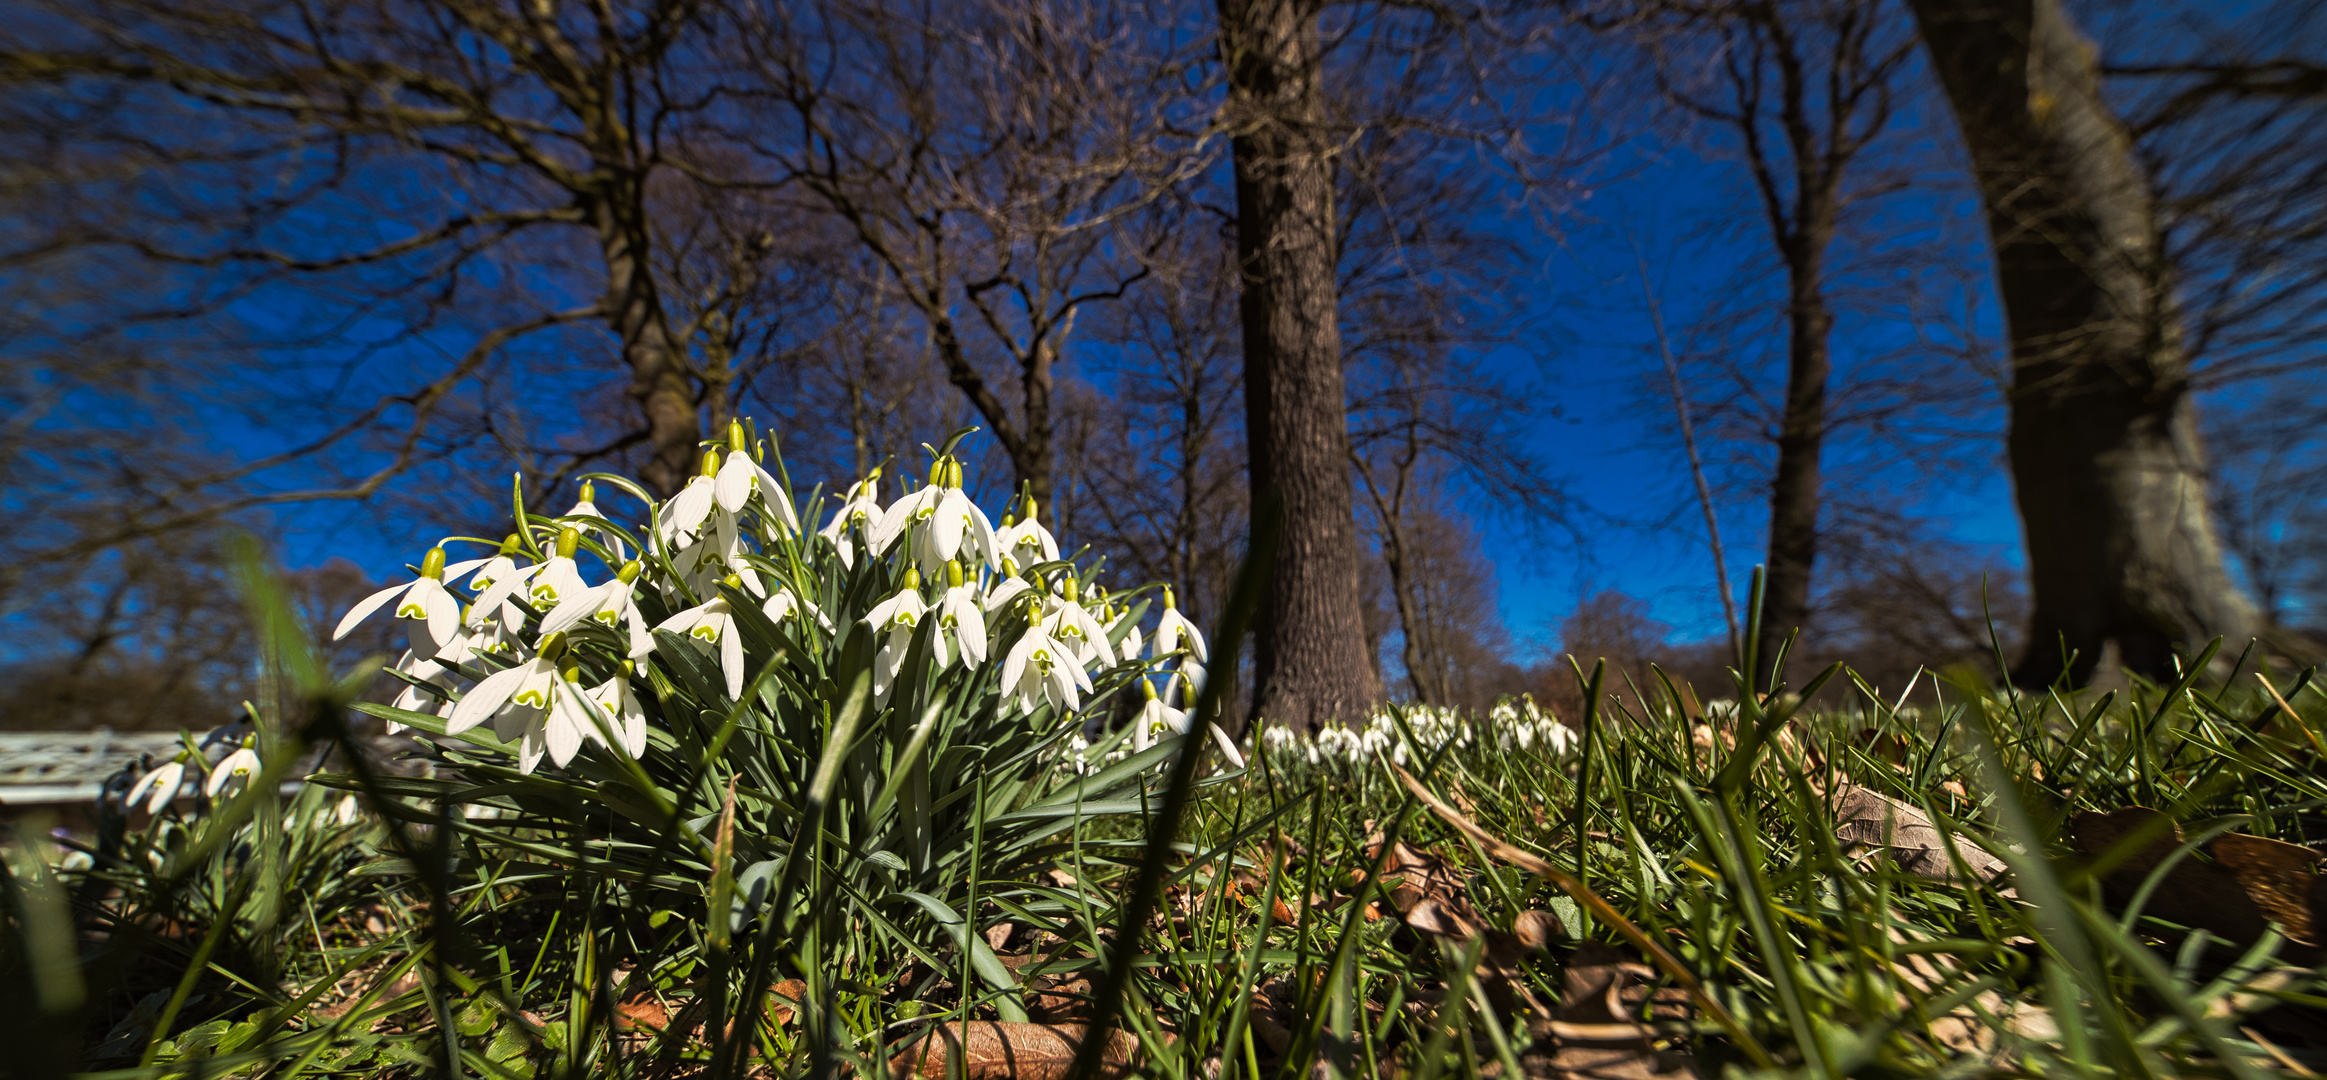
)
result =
(1004, 587)
(1065, 620)
(1114, 617)
(1039, 669)
(682, 518)
(711, 625)
(941, 521)
(1027, 541)
(160, 787)
(1156, 718)
(615, 697)
(345, 813)
(513, 696)
(434, 611)
(502, 567)
(895, 618)
(857, 517)
(961, 621)
(732, 487)
(783, 604)
(429, 694)
(558, 579)
(607, 605)
(575, 717)
(234, 770)
(1172, 627)
(587, 507)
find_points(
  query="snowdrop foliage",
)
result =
(580, 636)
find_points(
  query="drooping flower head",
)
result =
(432, 612)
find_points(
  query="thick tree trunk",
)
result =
(1310, 654)
(1794, 488)
(659, 382)
(2123, 555)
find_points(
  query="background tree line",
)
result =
(324, 268)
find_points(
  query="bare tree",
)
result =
(1310, 665)
(1159, 478)
(2125, 560)
(998, 161)
(1805, 88)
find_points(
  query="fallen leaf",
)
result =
(2282, 878)
(1865, 818)
(784, 998)
(2252, 882)
(640, 1011)
(1568, 1062)
(997, 1050)
(998, 935)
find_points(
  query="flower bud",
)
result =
(1147, 687)
(553, 646)
(630, 571)
(571, 674)
(732, 581)
(736, 439)
(953, 573)
(912, 577)
(511, 544)
(569, 541)
(1009, 567)
(1170, 604)
(1070, 588)
(589, 491)
(1031, 513)
(711, 462)
(432, 564)
(628, 668)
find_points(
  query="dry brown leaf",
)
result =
(1869, 819)
(997, 1050)
(2283, 879)
(2252, 882)
(784, 999)
(1607, 1063)
(640, 1011)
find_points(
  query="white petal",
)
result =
(502, 589)
(641, 642)
(1002, 593)
(529, 748)
(1227, 747)
(1014, 665)
(572, 611)
(772, 493)
(685, 621)
(453, 571)
(444, 613)
(366, 606)
(731, 660)
(568, 724)
(733, 486)
(692, 504)
(486, 698)
(946, 525)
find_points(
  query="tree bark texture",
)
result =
(1794, 486)
(1311, 666)
(2124, 559)
(665, 392)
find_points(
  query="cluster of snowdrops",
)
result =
(541, 637)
